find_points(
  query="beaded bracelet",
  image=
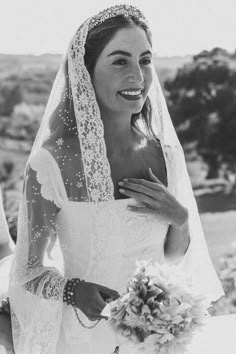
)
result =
(68, 294)
(69, 299)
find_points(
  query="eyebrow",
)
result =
(127, 54)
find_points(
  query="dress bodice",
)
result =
(101, 243)
(98, 240)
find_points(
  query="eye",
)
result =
(146, 61)
(120, 61)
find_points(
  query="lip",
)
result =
(132, 97)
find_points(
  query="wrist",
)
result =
(182, 220)
(69, 291)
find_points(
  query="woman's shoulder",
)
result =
(43, 170)
(40, 159)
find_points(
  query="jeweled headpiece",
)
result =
(124, 10)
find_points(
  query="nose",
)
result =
(135, 74)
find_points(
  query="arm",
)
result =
(158, 200)
(43, 281)
(36, 288)
(177, 242)
(36, 234)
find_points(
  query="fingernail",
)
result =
(121, 183)
(121, 190)
(125, 179)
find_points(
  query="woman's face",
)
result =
(123, 72)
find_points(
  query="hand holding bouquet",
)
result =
(160, 311)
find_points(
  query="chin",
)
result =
(136, 112)
(137, 108)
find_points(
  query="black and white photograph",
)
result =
(118, 177)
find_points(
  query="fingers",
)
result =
(98, 316)
(92, 298)
(100, 302)
(140, 188)
(108, 293)
(95, 309)
(139, 197)
(154, 186)
(142, 210)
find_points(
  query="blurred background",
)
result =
(195, 58)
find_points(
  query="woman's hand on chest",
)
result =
(155, 198)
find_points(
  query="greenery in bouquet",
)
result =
(160, 311)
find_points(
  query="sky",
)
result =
(179, 27)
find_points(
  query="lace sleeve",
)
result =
(36, 284)
(42, 235)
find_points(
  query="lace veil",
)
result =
(68, 162)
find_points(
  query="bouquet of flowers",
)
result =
(160, 311)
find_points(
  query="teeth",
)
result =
(132, 93)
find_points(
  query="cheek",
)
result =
(102, 83)
(99, 85)
(149, 79)
(104, 88)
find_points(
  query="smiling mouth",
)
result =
(131, 94)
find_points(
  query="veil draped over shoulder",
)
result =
(4, 233)
(68, 162)
(6, 248)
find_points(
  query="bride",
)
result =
(105, 184)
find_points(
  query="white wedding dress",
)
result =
(99, 242)
(104, 248)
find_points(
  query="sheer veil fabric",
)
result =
(4, 233)
(68, 164)
(6, 248)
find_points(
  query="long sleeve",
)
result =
(37, 283)
(46, 282)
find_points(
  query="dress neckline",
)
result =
(120, 201)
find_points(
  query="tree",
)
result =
(25, 121)
(10, 95)
(202, 102)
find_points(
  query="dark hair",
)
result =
(96, 41)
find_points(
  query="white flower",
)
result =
(160, 311)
